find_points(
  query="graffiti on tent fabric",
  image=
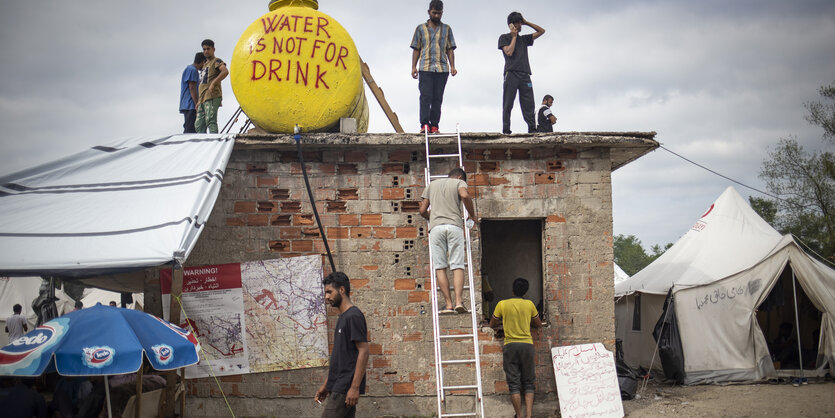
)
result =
(727, 294)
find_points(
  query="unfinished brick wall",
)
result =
(367, 200)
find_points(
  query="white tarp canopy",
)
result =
(138, 203)
(720, 273)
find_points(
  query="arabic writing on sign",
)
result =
(587, 384)
(199, 284)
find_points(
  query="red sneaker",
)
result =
(434, 130)
(423, 128)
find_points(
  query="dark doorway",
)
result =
(511, 249)
(776, 317)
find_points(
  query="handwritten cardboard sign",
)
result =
(587, 383)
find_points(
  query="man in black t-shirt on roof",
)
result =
(346, 375)
(545, 117)
(517, 70)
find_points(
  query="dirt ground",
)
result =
(817, 399)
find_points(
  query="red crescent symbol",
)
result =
(708, 210)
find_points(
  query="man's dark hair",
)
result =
(547, 97)
(520, 287)
(338, 279)
(208, 42)
(17, 309)
(514, 17)
(199, 58)
(436, 5)
(456, 172)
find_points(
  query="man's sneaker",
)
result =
(506, 132)
(434, 130)
(423, 128)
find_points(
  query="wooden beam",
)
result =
(381, 98)
(137, 407)
(167, 400)
(176, 293)
(183, 394)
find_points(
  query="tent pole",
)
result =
(797, 324)
(107, 396)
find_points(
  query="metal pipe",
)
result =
(298, 138)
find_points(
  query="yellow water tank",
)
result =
(297, 65)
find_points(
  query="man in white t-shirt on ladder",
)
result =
(446, 233)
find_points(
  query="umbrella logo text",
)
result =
(98, 357)
(163, 352)
(20, 354)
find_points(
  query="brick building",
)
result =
(545, 204)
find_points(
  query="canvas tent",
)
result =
(620, 275)
(23, 290)
(138, 203)
(722, 275)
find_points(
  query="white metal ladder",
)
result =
(438, 335)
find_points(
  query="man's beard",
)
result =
(435, 20)
(336, 301)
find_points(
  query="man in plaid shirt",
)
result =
(433, 60)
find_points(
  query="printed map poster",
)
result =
(283, 316)
(286, 317)
(213, 304)
(587, 383)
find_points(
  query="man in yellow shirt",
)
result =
(518, 316)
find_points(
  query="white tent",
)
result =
(22, 291)
(139, 203)
(620, 275)
(721, 272)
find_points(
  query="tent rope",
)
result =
(808, 248)
(202, 351)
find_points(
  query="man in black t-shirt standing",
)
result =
(346, 375)
(517, 70)
(545, 117)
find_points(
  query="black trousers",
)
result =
(336, 408)
(431, 86)
(521, 82)
(190, 117)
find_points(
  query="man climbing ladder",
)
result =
(446, 235)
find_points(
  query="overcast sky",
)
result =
(720, 81)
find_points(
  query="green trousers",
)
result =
(207, 116)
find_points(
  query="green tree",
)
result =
(822, 113)
(657, 251)
(805, 182)
(767, 209)
(631, 256)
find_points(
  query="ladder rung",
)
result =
(450, 336)
(461, 387)
(461, 414)
(442, 155)
(437, 176)
(442, 135)
(458, 361)
(466, 287)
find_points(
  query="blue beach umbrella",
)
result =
(99, 341)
